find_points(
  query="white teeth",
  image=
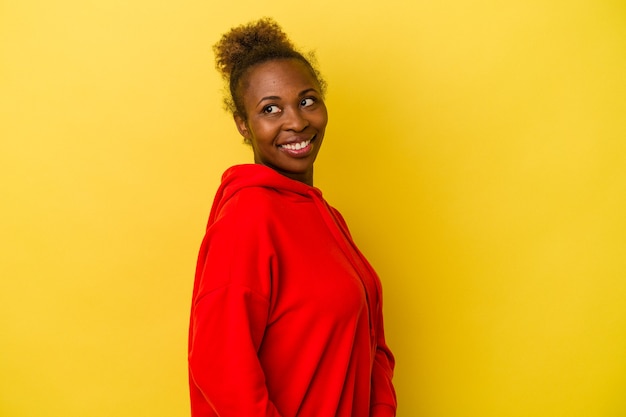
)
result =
(297, 146)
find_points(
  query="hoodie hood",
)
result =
(243, 176)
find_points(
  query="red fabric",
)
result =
(286, 315)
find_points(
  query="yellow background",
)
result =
(476, 148)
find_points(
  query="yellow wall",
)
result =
(476, 148)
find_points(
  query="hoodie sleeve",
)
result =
(228, 319)
(383, 401)
(228, 328)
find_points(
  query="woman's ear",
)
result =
(242, 126)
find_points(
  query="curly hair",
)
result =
(251, 44)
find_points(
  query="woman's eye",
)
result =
(271, 109)
(307, 102)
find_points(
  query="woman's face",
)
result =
(286, 117)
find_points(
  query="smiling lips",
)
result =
(297, 148)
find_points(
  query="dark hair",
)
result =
(251, 44)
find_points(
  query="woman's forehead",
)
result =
(280, 76)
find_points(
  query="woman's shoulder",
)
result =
(258, 199)
(249, 206)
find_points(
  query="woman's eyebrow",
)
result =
(308, 90)
(268, 98)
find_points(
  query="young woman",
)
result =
(286, 315)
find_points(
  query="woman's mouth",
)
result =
(296, 146)
(297, 149)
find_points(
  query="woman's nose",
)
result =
(295, 120)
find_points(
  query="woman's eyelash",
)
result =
(268, 109)
(273, 108)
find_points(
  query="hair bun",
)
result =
(245, 40)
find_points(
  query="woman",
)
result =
(286, 315)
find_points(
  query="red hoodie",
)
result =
(286, 315)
